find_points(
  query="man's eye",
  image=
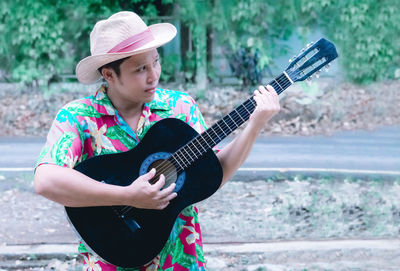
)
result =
(141, 69)
(156, 61)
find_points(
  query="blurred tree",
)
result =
(366, 32)
(45, 38)
(195, 15)
(42, 39)
(250, 31)
(33, 48)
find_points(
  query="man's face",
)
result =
(138, 78)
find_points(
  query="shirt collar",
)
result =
(102, 103)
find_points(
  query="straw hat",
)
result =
(123, 34)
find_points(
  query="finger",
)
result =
(149, 175)
(272, 90)
(171, 196)
(259, 91)
(271, 93)
(163, 204)
(167, 191)
(256, 98)
(262, 89)
(263, 95)
(160, 183)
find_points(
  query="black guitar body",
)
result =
(134, 238)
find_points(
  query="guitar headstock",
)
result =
(311, 60)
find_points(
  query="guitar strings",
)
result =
(198, 146)
(166, 166)
(235, 121)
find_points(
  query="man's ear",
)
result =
(108, 74)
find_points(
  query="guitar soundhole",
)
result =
(160, 162)
(166, 168)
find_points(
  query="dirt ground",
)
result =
(276, 209)
(322, 108)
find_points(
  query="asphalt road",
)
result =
(351, 151)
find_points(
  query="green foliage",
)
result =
(169, 64)
(366, 33)
(46, 38)
(33, 46)
(196, 15)
(241, 26)
(189, 65)
(250, 29)
(43, 39)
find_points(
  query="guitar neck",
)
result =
(202, 143)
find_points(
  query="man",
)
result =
(116, 118)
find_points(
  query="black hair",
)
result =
(115, 66)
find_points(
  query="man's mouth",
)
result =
(151, 90)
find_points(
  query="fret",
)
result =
(253, 102)
(198, 141)
(209, 146)
(176, 160)
(215, 133)
(184, 149)
(237, 113)
(184, 158)
(229, 115)
(230, 130)
(247, 110)
(221, 128)
(206, 134)
(285, 83)
(278, 85)
(189, 149)
(201, 145)
(180, 160)
(195, 146)
(233, 121)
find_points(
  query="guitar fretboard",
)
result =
(202, 143)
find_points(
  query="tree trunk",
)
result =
(200, 38)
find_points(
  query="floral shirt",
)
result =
(92, 126)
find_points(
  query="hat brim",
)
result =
(87, 69)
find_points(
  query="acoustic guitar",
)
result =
(130, 237)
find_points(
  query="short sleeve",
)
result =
(64, 143)
(194, 117)
(196, 120)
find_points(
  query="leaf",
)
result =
(81, 109)
(116, 133)
(59, 150)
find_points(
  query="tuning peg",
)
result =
(309, 45)
(326, 68)
(318, 74)
(308, 81)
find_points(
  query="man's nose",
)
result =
(152, 74)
